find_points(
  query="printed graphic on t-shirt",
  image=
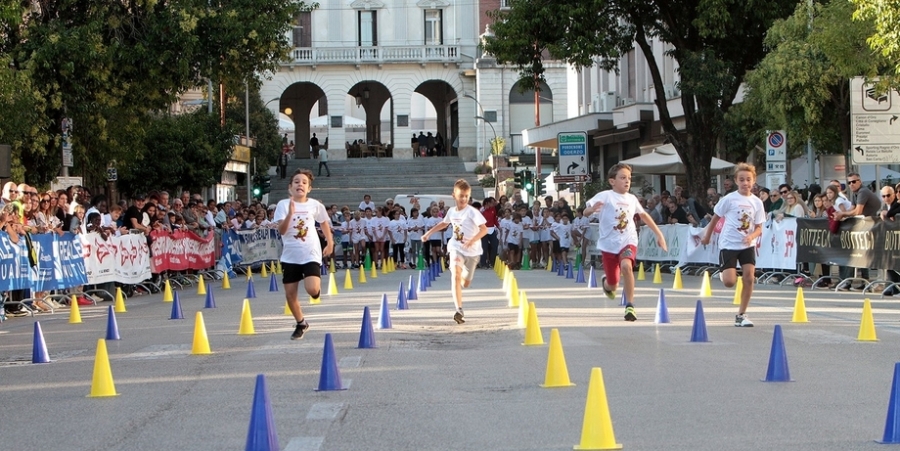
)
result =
(745, 222)
(458, 234)
(301, 230)
(622, 220)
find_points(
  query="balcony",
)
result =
(313, 56)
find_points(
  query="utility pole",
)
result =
(247, 131)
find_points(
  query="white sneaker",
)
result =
(742, 321)
(722, 276)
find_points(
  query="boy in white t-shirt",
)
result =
(464, 244)
(743, 215)
(562, 233)
(618, 236)
(301, 256)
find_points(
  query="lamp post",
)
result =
(483, 121)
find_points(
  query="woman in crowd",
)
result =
(793, 207)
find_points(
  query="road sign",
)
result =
(776, 146)
(573, 157)
(874, 124)
(112, 175)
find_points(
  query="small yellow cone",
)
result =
(513, 293)
(738, 290)
(392, 266)
(677, 285)
(523, 311)
(507, 274)
(641, 274)
(498, 267)
(332, 285)
(75, 312)
(287, 309)
(315, 301)
(550, 265)
(278, 267)
(102, 384)
(867, 325)
(226, 283)
(443, 265)
(246, 320)
(201, 341)
(374, 272)
(249, 273)
(799, 308)
(705, 288)
(263, 273)
(386, 266)
(362, 275)
(597, 429)
(557, 372)
(533, 335)
(331, 268)
(120, 301)
(657, 275)
(348, 281)
(201, 286)
(167, 292)
(272, 268)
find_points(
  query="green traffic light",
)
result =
(256, 191)
(528, 186)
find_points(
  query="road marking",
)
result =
(160, 351)
(305, 444)
(325, 410)
(350, 362)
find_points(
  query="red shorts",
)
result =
(612, 261)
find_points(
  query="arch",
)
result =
(373, 98)
(297, 102)
(521, 107)
(444, 100)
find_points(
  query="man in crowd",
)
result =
(866, 203)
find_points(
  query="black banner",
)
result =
(859, 243)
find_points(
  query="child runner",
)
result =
(618, 237)
(302, 254)
(562, 232)
(357, 228)
(465, 242)
(743, 215)
(514, 242)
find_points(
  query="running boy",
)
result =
(744, 216)
(465, 242)
(618, 236)
(301, 256)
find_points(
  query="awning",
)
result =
(665, 160)
(544, 136)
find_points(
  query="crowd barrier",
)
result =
(247, 247)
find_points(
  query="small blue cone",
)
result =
(429, 277)
(592, 279)
(436, 270)
(210, 298)
(622, 301)
(176, 308)
(273, 283)
(412, 295)
(579, 278)
(401, 299)
(262, 435)
(384, 315)
(569, 272)
(251, 292)
(892, 424)
(662, 310)
(329, 376)
(366, 333)
(112, 327)
(423, 285)
(698, 333)
(560, 271)
(39, 352)
(778, 364)
(324, 271)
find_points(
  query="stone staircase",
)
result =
(382, 178)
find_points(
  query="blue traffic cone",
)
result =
(778, 364)
(112, 327)
(579, 277)
(401, 299)
(176, 308)
(698, 333)
(366, 333)
(560, 271)
(423, 285)
(622, 301)
(273, 283)
(39, 352)
(384, 314)
(592, 279)
(437, 270)
(662, 310)
(329, 376)
(569, 273)
(892, 424)
(412, 295)
(210, 298)
(324, 269)
(262, 435)
(251, 292)
(429, 277)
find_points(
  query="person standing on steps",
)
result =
(282, 164)
(323, 161)
(314, 145)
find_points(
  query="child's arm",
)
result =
(437, 228)
(751, 237)
(709, 229)
(660, 238)
(482, 231)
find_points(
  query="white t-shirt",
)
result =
(514, 233)
(345, 231)
(431, 222)
(841, 200)
(358, 229)
(380, 228)
(398, 231)
(527, 234)
(504, 225)
(301, 242)
(564, 232)
(363, 205)
(742, 214)
(616, 216)
(415, 227)
(464, 224)
(546, 224)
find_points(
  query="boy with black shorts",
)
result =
(743, 215)
(301, 256)
(464, 244)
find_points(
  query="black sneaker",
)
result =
(300, 330)
(629, 313)
(458, 317)
(609, 294)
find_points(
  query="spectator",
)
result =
(367, 203)
(423, 144)
(866, 204)
(889, 197)
(314, 145)
(323, 161)
(728, 186)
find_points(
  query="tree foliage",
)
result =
(714, 42)
(885, 38)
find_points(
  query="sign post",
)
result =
(776, 158)
(573, 158)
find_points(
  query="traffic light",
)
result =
(265, 183)
(528, 182)
(257, 189)
(519, 179)
(539, 189)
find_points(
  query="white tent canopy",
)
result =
(664, 160)
(286, 125)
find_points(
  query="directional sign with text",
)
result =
(573, 158)
(874, 124)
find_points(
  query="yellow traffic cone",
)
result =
(498, 267)
(549, 265)
(246, 327)
(641, 274)
(374, 272)
(201, 340)
(867, 325)
(533, 335)
(738, 290)
(362, 274)
(557, 373)
(523, 311)
(315, 301)
(278, 267)
(348, 281)
(120, 301)
(331, 267)
(167, 292)
(597, 429)
(513, 294)
(201, 286)
(75, 312)
(249, 272)
(272, 268)
(657, 275)
(287, 309)
(226, 283)
(705, 288)
(263, 273)
(799, 308)
(332, 286)
(443, 265)
(507, 280)
(102, 384)
(677, 285)
(386, 266)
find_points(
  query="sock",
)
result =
(628, 304)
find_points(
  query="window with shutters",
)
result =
(434, 34)
(302, 36)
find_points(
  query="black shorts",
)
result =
(370, 245)
(728, 259)
(556, 248)
(512, 247)
(346, 246)
(294, 272)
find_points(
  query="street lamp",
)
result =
(483, 121)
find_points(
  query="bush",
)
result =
(488, 182)
(483, 169)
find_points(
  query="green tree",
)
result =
(263, 127)
(885, 38)
(714, 42)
